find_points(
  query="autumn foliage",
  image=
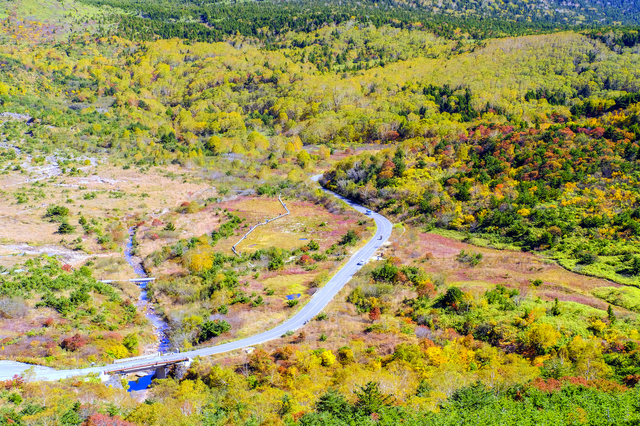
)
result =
(73, 343)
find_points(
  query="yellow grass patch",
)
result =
(264, 237)
(288, 284)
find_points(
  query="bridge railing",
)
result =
(147, 365)
(137, 358)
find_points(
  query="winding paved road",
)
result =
(317, 303)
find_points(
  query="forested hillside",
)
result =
(150, 137)
(268, 21)
(562, 188)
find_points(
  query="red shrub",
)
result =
(16, 382)
(374, 314)
(392, 135)
(400, 277)
(73, 343)
(632, 380)
(48, 322)
(283, 353)
(553, 385)
(66, 267)
(549, 385)
(300, 337)
(395, 260)
(426, 289)
(427, 343)
(156, 222)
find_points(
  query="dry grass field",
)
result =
(104, 195)
(513, 269)
(163, 206)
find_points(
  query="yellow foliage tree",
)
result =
(328, 358)
(118, 351)
(543, 336)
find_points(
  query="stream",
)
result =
(160, 326)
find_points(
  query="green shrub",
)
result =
(502, 296)
(452, 297)
(626, 297)
(211, 329)
(586, 258)
(470, 258)
(350, 238)
(15, 398)
(226, 229)
(57, 213)
(275, 263)
(130, 342)
(65, 228)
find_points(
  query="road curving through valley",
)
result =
(317, 303)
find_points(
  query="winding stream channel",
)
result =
(160, 326)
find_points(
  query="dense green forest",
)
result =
(267, 20)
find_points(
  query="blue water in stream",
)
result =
(141, 384)
(161, 327)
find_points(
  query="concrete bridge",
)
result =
(160, 366)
